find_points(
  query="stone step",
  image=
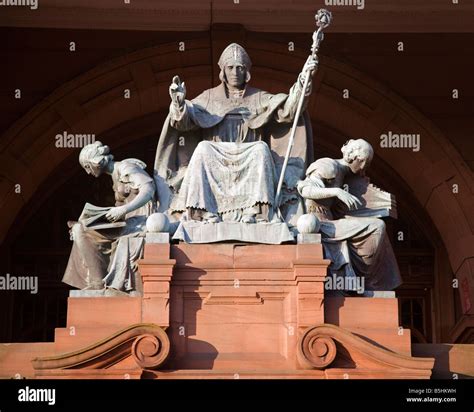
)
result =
(102, 312)
(359, 312)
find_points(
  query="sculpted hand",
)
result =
(116, 213)
(309, 67)
(177, 91)
(351, 201)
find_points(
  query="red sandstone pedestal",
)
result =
(240, 307)
(231, 310)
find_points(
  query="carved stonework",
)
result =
(316, 350)
(150, 350)
(146, 343)
(231, 308)
(340, 352)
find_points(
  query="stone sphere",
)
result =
(308, 223)
(157, 222)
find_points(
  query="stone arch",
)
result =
(94, 102)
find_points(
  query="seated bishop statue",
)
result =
(219, 155)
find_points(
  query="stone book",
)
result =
(94, 218)
(375, 201)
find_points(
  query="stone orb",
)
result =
(308, 223)
(157, 222)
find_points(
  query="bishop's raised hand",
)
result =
(177, 91)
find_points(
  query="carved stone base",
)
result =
(225, 311)
(237, 307)
(267, 233)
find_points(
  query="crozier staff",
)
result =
(323, 19)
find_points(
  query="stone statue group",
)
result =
(218, 162)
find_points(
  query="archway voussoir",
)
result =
(451, 223)
(11, 205)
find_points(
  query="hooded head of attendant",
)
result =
(235, 65)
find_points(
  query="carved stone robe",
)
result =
(232, 170)
(108, 257)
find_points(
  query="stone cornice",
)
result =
(384, 16)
